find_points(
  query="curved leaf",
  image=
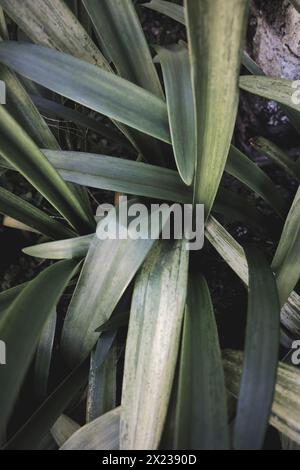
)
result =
(62, 249)
(201, 411)
(31, 435)
(90, 86)
(24, 212)
(102, 393)
(152, 345)
(78, 118)
(176, 12)
(63, 429)
(285, 414)
(117, 23)
(102, 282)
(279, 156)
(43, 357)
(24, 111)
(180, 102)
(216, 33)
(100, 434)
(261, 355)
(119, 175)
(28, 313)
(244, 169)
(277, 89)
(20, 151)
(51, 23)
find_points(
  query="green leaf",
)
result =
(30, 436)
(90, 86)
(118, 25)
(137, 178)
(289, 233)
(101, 284)
(252, 66)
(28, 313)
(152, 345)
(201, 412)
(20, 151)
(24, 111)
(288, 274)
(277, 89)
(244, 169)
(229, 249)
(24, 212)
(216, 32)
(3, 25)
(102, 393)
(55, 26)
(81, 119)
(234, 255)
(261, 355)
(62, 249)
(279, 156)
(100, 434)
(180, 102)
(286, 262)
(52, 24)
(176, 12)
(43, 357)
(8, 296)
(63, 429)
(119, 175)
(285, 412)
(115, 322)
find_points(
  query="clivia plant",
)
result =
(173, 111)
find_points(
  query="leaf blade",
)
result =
(261, 355)
(214, 29)
(157, 307)
(201, 412)
(23, 311)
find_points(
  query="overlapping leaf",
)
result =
(20, 151)
(201, 413)
(261, 355)
(216, 32)
(28, 313)
(150, 359)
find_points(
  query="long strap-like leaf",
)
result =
(274, 152)
(31, 435)
(180, 102)
(277, 89)
(216, 32)
(101, 434)
(232, 252)
(109, 267)
(51, 23)
(21, 152)
(286, 260)
(24, 111)
(285, 415)
(261, 355)
(117, 23)
(90, 86)
(152, 345)
(201, 413)
(23, 211)
(28, 313)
